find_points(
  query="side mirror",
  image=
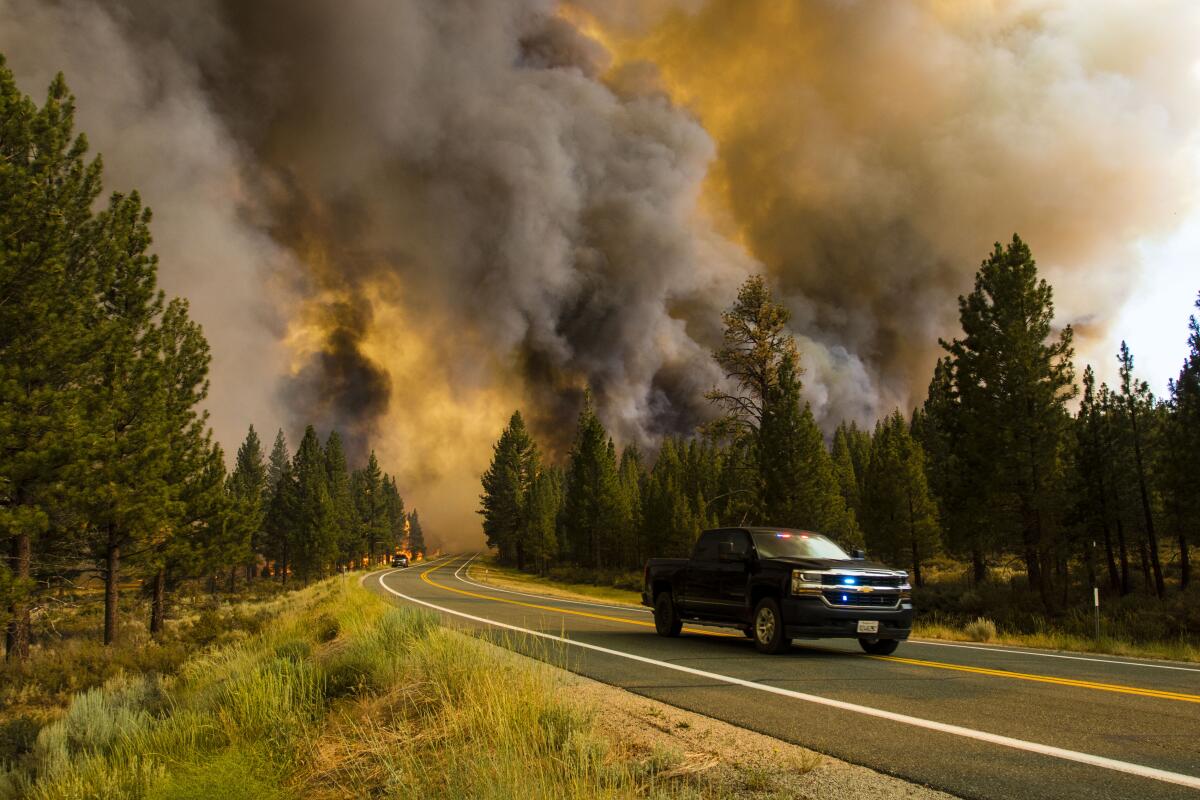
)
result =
(858, 554)
(725, 552)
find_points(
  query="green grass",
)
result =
(341, 695)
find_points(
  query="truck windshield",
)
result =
(785, 544)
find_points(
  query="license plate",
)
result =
(868, 626)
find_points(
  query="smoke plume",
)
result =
(404, 219)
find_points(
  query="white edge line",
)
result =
(1052, 655)
(942, 727)
(635, 609)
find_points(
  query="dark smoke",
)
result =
(405, 218)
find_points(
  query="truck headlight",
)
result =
(806, 582)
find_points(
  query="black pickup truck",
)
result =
(779, 584)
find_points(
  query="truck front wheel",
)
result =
(768, 627)
(879, 647)
(666, 621)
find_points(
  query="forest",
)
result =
(107, 466)
(1021, 490)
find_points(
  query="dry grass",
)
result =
(1057, 640)
(486, 570)
(342, 696)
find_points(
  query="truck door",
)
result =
(701, 580)
(733, 575)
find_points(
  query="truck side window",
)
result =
(740, 541)
(706, 546)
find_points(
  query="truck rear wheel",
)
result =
(666, 621)
(879, 647)
(768, 627)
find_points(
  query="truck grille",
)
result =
(848, 599)
(862, 580)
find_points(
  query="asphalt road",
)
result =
(976, 721)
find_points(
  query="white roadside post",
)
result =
(1096, 603)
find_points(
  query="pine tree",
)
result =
(249, 494)
(194, 469)
(371, 505)
(1092, 469)
(1181, 462)
(543, 506)
(754, 347)
(799, 484)
(316, 535)
(345, 517)
(505, 490)
(630, 476)
(131, 454)
(1012, 378)
(1138, 407)
(280, 461)
(48, 350)
(416, 535)
(674, 509)
(1115, 454)
(899, 512)
(591, 503)
(957, 475)
(394, 509)
(282, 518)
(843, 467)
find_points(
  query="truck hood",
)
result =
(828, 563)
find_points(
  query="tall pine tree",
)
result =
(315, 532)
(506, 486)
(591, 501)
(48, 352)
(1013, 377)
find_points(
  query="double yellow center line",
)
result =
(996, 673)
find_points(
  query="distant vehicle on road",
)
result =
(400, 561)
(779, 584)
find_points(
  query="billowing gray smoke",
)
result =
(404, 218)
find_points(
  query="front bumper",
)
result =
(810, 618)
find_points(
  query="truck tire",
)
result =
(666, 621)
(768, 627)
(879, 647)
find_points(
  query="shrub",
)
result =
(16, 738)
(980, 629)
(327, 628)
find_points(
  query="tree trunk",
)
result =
(1155, 562)
(250, 572)
(158, 611)
(521, 556)
(912, 535)
(1090, 563)
(232, 579)
(1144, 559)
(16, 638)
(1123, 549)
(1114, 579)
(111, 575)
(1185, 564)
(978, 565)
(916, 559)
